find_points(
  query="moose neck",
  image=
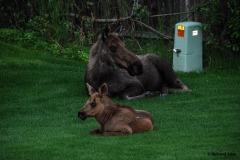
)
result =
(103, 68)
(109, 110)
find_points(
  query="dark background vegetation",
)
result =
(68, 27)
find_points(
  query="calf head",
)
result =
(94, 105)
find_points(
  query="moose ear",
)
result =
(91, 90)
(103, 90)
(105, 32)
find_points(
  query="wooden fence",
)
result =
(145, 18)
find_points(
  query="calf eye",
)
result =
(93, 104)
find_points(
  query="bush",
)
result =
(221, 24)
(32, 40)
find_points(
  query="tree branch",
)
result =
(153, 30)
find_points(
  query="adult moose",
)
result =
(114, 119)
(127, 75)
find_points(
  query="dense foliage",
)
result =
(221, 21)
(63, 27)
(32, 40)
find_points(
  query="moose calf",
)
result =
(114, 119)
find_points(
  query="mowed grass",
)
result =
(41, 95)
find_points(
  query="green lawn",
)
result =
(41, 95)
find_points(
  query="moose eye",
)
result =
(93, 104)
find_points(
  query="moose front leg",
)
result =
(118, 132)
(147, 94)
(115, 133)
(96, 131)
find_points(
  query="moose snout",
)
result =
(81, 115)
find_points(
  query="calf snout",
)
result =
(81, 115)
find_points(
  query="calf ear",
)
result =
(103, 90)
(91, 90)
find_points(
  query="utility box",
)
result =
(187, 52)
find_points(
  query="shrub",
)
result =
(221, 24)
(32, 40)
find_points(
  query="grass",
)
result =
(41, 95)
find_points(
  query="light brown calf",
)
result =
(114, 119)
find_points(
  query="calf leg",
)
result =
(95, 131)
(119, 131)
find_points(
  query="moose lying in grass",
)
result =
(127, 75)
(113, 119)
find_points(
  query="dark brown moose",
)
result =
(127, 75)
(114, 119)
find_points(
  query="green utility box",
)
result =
(187, 52)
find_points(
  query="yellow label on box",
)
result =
(180, 31)
(180, 27)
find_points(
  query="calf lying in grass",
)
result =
(114, 119)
